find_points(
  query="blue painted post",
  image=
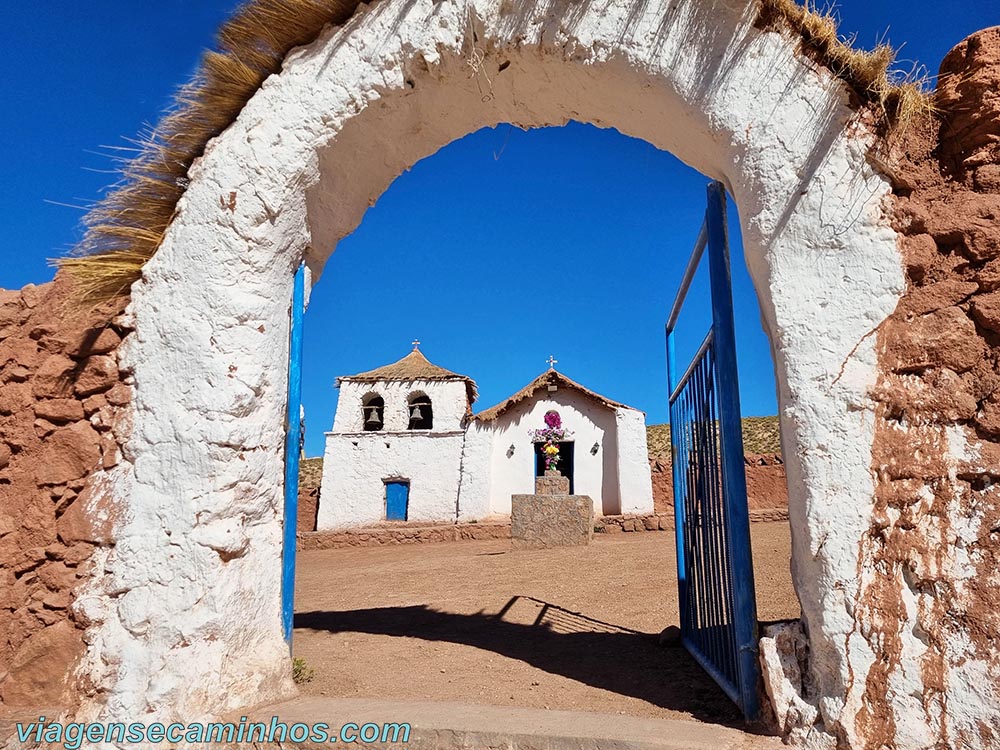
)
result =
(293, 437)
(733, 476)
(682, 592)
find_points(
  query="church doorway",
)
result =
(397, 500)
(565, 466)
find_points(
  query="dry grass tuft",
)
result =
(897, 98)
(125, 228)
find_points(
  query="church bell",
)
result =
(373, 417)
(415, 412)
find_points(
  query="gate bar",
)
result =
(689, 272)
(734, 479)
(293, 437)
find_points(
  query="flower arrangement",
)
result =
(552, 434)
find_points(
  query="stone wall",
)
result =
(60, 391)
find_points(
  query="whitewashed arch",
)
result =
(201, 486)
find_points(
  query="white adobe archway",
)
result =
(201, 487)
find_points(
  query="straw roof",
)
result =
(414, 366)
(126, 227)
(547, 378)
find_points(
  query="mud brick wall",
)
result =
(936, 456)
(60, 389)
(767, 486)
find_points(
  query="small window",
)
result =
(421, 416)
(373, 413)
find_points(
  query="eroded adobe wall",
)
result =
(60, 391)
(929, 567)
(923, 599)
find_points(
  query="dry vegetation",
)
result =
(310, 473)
(125, 228)
(760, 435)
(897, 98)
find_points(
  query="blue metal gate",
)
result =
(718, 609)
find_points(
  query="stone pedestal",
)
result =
(540, 521)
(552, 484)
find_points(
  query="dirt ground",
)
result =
(572, 628)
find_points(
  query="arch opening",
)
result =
(373, 413)
(736, 103)
(421, 413)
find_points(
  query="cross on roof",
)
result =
(552, 362)
(416, 344)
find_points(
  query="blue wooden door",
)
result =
(714, 564)
(397, 500)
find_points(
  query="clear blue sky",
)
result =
(570, 243)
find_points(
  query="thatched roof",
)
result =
(125, 228)
(414, 366)
(547, 378)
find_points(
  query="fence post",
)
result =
(293, 437)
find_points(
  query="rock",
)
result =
(44, 427)
(78, 524)
(783, 656)
(920, 252)
(986, 311)
(93, 341)
(943, 338)
(988, 276)
(5, 454)
(987, 178)
(93, 404)
(120, 395)
(17, 374)
(540, 521)
(968, 219)
(942, 395)
(18, 351)
(40, 668)
(988, 419)
(99, 373)
(932, 297)
(54, 378)
(57, 576)
(68, 454)
(77, 553)
(111, 457)
(15, 398)
(31, 294)
(59, 410)
(57, 600)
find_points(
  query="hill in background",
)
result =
(760, 435)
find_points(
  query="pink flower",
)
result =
(553, 420)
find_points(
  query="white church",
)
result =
(406, 446)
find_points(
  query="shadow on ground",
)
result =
(559, 642)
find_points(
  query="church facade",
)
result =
(406, 446)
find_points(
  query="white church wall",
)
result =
(477, 455)
(357, 465)
(634, 478)
(449, 401)
(513, 471)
